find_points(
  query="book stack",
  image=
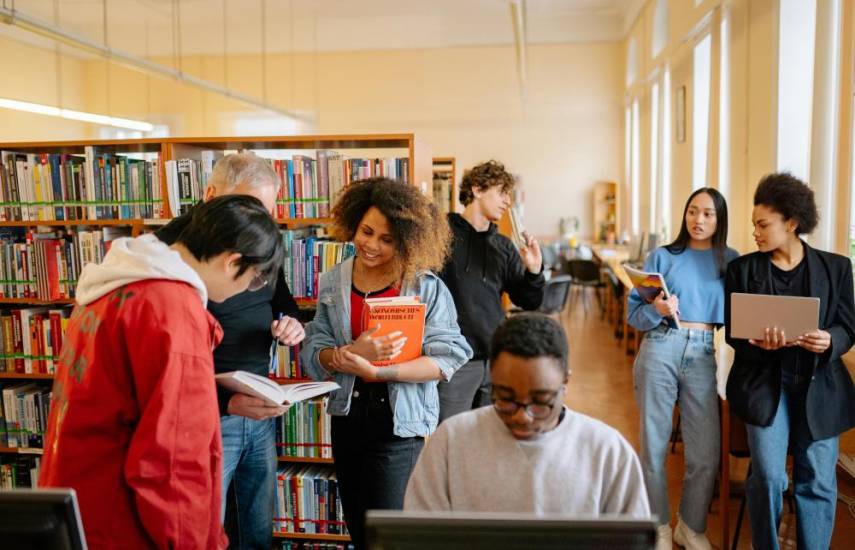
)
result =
(94, 186)
(287, 363)
(309, 256)
(307, 545)
(19, 471)
(31, 339)
(304, 431)
(307, 501)
(24, 415)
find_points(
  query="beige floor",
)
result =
(601, 386)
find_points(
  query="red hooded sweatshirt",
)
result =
(134, 426)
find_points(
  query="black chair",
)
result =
(586, 274)
(554, 296)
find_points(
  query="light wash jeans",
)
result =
(678, 366)
(814, 474)
(249, 459)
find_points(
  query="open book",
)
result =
(400, 313)
(648, 286)
(260, 386)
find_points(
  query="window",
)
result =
(665, 203)
(724, 110)
(635, 182)
(654, 153)
(631, 61)
(796, 33)
(660, 27)
(700, 111)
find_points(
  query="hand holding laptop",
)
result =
(816, 341)
(767, 320)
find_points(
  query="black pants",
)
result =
(372, 464)
(468, 389)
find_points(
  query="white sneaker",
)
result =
(663, 537)
(688, 539)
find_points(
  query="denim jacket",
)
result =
(415, 406)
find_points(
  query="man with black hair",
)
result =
(133, 424)
(528, 452)
(249, 320)
(482, 266)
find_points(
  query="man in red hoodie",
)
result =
(134, 426)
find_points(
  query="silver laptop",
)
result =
(750, 314)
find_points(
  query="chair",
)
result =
(554, 296)
(586, 274)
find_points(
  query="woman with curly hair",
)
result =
(381, 415)
(792, 390)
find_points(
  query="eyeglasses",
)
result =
(257, 283)
(535, 409)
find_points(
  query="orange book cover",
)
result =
(402, 313)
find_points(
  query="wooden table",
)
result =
(612, 256)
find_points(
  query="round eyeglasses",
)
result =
(535, 410)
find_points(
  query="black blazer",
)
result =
(754, 384)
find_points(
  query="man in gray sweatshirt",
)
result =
(528, 452)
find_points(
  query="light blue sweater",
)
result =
(693, 277)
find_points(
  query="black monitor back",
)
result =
(39, 519)
(394, 530)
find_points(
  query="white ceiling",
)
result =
(146, 27)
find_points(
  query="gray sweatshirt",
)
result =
(472, 463)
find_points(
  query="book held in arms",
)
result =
(648, 286)
(516, 228)
(400, 313)
(267, 389)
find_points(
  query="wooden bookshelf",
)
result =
(311, 536)
(605, 212)
(445, 169)
(35, 302)
(305, 459)
(25, 376)
(21, 450)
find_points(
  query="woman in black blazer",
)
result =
(792, 390)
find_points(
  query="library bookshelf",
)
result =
(445, 183)
(153, 207)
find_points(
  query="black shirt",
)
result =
(794, 282)
(245, 318)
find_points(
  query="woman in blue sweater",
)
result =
(678, 365)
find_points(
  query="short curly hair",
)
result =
(483, 176)
(530, 335)
(422, 235)
(791, 197)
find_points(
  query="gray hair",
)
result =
(242, 169)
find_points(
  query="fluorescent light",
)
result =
(83, 116)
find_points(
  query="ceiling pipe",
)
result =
(10, 16)
(518, 22)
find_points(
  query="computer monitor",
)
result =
(396, 530)
(34, 519)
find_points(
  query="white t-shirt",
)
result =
(473, 463)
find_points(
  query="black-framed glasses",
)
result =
(536, 409)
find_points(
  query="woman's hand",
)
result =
(816, 341)
(666, 307)
(382, 348)
(348, 362)
(288, 331)
(773, 339)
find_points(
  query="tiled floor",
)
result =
(601, 386)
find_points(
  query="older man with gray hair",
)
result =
(249, 321)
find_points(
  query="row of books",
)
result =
(19, 471)
(97, 185)
(24, 412)
(308, 257)
(309, 186)
(287, 363)
(31, 339)
(314, 545)
(304, 431)
(46, 266)
(307, 501)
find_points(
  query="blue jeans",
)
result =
(372, 465)
(249, 460)
(678, 366)
(814, 474)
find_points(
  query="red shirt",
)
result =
(134, 427)
(357, 303)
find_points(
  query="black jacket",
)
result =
(754, 384)
(482, 266)
(245, 318)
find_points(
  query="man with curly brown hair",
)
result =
(483, 264)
